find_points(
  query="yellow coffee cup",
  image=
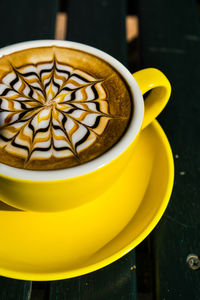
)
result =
(57, 190)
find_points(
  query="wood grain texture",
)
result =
(116, 281)
(27, 20)
(170, 41)
(11, 289)
(99, 23)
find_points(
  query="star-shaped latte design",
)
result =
(50, 109)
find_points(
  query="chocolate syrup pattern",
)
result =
(50, 109)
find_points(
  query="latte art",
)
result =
(51, 111)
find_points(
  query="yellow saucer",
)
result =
(50, 246)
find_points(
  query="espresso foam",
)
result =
(59, 107)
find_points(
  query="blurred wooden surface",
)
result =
(132, 29)
(170, 41)
(27, 20)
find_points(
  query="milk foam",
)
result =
(50, 109)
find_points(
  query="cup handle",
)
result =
(155, 80)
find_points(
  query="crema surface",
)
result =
(59, 108)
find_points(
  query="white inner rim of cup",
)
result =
(112, 153)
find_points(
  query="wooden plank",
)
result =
(40, 290)
(26, 20)
(11, 289)
(170, 41)
(116, 281)
(100, 24)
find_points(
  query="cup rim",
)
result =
(112, 153)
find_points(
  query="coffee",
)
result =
(59, 107)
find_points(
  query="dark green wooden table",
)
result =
(169, 40)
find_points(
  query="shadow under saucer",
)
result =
(4, 206)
